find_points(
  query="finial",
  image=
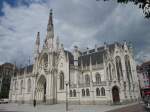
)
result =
(105, 45)
(38, 34)
(125, 42)
(51, 11)
(62, 46)
(38, 39)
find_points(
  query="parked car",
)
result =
(3, 101)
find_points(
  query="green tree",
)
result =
(142, 4)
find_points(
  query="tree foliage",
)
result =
(142, 4)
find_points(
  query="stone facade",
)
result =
(103, 75)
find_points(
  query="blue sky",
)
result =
(12, 3)
(77, 22)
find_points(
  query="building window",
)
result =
(29, 85)
(87, 92)
(110, 74)
(103, 91)
(87, 79)
(45, 60)
(119, 68)
(62, 81)
(128, 68)
(74, 93)
(83, 92)
(98, 78)
(144, 75)
(145, 83)
(16, 85)
(21, 87)
(97, 92)
(70, 93)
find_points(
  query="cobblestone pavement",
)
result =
(133, 108)
(72, 108)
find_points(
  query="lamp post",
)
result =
(35, 89)
(67, 96)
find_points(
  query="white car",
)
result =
(3, 101)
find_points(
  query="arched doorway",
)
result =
(41, 89)
(115, 95)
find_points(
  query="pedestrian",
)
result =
(34, 103)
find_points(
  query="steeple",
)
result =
(37, 45)
(50, 32)
(50, 21)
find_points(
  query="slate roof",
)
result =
(96, 57)
(28, 68)
(71, 58)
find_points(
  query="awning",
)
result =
(147, 92)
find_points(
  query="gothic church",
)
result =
(102, 75)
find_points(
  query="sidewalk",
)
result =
(60, 108)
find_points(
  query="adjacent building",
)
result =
(144, 78)
(6, 72)
(102, 75)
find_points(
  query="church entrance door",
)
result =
(115, 95)
(41, 89)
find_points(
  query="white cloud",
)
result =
(84, 23)
(18, 29)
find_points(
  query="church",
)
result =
(102, 75)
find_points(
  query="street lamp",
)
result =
(67, 96)
(35, 89)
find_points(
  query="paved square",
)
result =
(58, 108)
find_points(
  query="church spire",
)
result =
(50, 29)
(50, 32)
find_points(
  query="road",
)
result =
(133, 108)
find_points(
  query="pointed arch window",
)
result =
(74, 93)
(128, 68)
(29, 85)
(97, 92)
(87, 92)
(98, 78)
(119, 68)
(70, 93)
(83, 92)
(87, 79)
(21, 87)
(61, 80)
(44, 60)
(109, 72)
(103, 91)
(16, 85)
